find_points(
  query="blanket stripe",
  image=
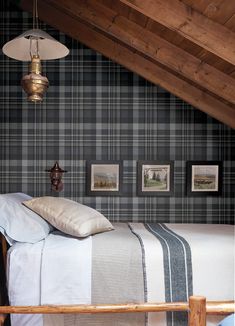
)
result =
(117, 277)
(187, 261)
(143, 260)
(144, 268)
(177, 269)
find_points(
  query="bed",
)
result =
(130, 268)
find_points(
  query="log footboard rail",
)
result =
(197, 309)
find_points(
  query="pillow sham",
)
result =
(18, 223)
(69, 216)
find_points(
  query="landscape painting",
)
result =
(155, 178)
(104, 178)
(204, 178)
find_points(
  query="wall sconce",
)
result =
(56, 174)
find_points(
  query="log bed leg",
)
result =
(197, 311)
(2, 319)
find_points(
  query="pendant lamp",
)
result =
(35, 45)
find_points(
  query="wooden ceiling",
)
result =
(186, 47)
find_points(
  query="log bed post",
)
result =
(3, 260)
(2, 319)
(3, 244)
(197, 311)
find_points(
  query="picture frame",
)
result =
(204, 178)
(104, 178)
(155, 178)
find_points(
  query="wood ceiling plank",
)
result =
(189, 23)
(138, 18)
(220, 10)
(117, 6)
(151, 46)
(213, 9)
(232, 74)
(199, 5)
(173, 37)
(133, 61)
(164, 32)
(189, 46)
(215, 62)
(231, 23)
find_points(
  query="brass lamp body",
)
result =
(34, 84)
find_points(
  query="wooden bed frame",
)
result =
(197, 307)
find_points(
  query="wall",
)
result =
(97, 110)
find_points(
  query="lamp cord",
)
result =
(35, 26)
(35, 14)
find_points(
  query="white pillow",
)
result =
(69, 216)
(18, 223)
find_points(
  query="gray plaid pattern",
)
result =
(95, 109)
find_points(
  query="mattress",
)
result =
(133, 263)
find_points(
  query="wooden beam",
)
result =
(134, 61)
(189, 23)
(151, 45)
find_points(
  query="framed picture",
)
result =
(104, 178)
(155, 178)
(204, 178)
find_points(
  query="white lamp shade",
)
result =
(48, 47)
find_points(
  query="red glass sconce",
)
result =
(56, 174)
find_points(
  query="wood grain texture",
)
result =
(3, 266)
(196, 305)
(96, 309)
(151, 45)
(197, 311)
(220, 308)
(189, 23)
(2, 319)
(4, 251)
(217, 10)
(132, 60)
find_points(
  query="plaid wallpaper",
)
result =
(97, 110)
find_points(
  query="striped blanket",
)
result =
(134, 263)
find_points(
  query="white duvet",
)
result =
(36, 276)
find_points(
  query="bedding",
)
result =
(134, 263)
(69, 216)
(18, 223)
(228, 321)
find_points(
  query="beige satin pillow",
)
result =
(69, 216)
